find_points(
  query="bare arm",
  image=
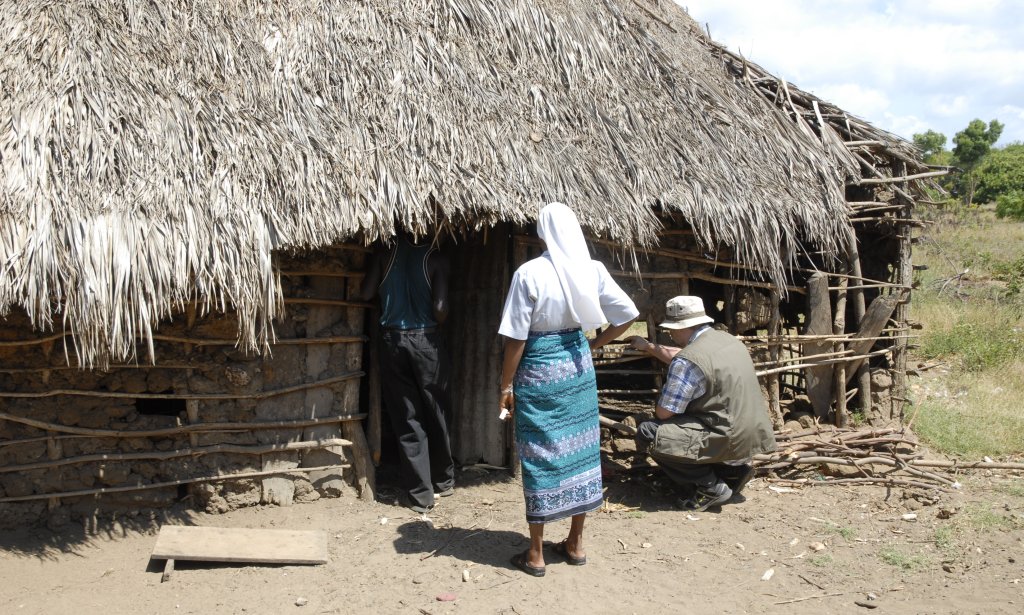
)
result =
(665, 354)
(513, 354)
(662, 414)
(610, 334)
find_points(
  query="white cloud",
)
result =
(861, 101)
(903, 124)
(931, 63)
(948, 106)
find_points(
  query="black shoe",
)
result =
(705, 498)
(737, 484)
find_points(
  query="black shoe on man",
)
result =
(737, 482)
(706, 497)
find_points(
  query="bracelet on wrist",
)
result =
(506, 390)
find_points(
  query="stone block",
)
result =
(329, 483)
(280, 491)
(137, 381)
(881, 379)
(159, 380)
(304, 491)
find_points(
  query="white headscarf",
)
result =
(562, 235)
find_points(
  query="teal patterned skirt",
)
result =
(557, 429)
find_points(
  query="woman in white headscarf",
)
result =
(548, 380)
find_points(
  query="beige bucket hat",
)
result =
(684, 311)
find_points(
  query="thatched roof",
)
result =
(155, 153)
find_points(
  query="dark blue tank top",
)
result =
(405, 295)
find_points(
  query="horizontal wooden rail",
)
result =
(325, 301)
(119, 395)
(181, 429)
(238, 449)
(199, 341)
(324, 274)
(895, 180)
(170, 483)
(799, 366)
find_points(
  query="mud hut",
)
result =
(189, 190)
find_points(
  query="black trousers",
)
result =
(415, 374)
(687, 474)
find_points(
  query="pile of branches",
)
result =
(873, 456)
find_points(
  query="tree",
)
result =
(972, 145)
(1000, 173)
(931, 144)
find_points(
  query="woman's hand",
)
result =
(507, 402)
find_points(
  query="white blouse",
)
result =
(536, 301)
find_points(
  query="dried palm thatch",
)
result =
(155, 153)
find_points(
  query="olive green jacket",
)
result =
(730, 420)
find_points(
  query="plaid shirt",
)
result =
(685, 383)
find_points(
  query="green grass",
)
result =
(904, 561)
(945, 538)
(848, 533)
(1012, 489)
(822, 561)
(982, 518)
(977, 336)
(978, 413)
(974, 325)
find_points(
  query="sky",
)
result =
(906, 66)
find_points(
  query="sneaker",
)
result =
(705, 498)
(443, 494)
(737, 484)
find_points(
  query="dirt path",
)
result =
(644, 557)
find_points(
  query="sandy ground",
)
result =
(962, 554)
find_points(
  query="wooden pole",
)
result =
(839, 328)
(904, 275)
(819, 322)
(859, 306)
(875, 318)
(366, 481)
(774, 332)
(373, 425)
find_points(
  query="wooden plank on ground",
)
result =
(223, 544)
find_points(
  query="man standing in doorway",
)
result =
(711, 417)
(412, 281)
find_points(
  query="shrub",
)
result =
(979, 345)
(1011, 205)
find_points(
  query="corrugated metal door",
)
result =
(480, 276)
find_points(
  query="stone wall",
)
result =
(191, 383)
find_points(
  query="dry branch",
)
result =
(879, 454)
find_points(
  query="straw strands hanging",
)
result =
(154, 154)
